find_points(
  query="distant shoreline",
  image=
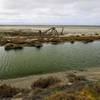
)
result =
(54, 25)
(22, 36)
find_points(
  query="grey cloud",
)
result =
(50, 10)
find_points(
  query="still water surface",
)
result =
(49, 58)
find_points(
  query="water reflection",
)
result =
(50, 58)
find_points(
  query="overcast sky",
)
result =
(70, 12)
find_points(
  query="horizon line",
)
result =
(46, 25)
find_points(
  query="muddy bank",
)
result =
(28, 37)
(76, 84)
(33, 40)
(25, 82)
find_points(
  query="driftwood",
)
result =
(28, 32)
(51, 31)
(62, 31)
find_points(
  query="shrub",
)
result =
(95, 88)
(73, 78)
(45, 83)
(37, 91)
(8, 91)
(70, 96)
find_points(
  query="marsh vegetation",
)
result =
(51, 88)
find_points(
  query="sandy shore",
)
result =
(25, 82)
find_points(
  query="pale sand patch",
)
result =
(25, 82)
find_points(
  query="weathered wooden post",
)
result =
(62, 31)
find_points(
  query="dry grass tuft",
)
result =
(74, 78)
(8, 91)
(84, 95)
(45, 82)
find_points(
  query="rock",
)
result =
(10, 46)
(35, 44)
(38, 45)
(87, 41)
(54, 43)
(72, 42)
